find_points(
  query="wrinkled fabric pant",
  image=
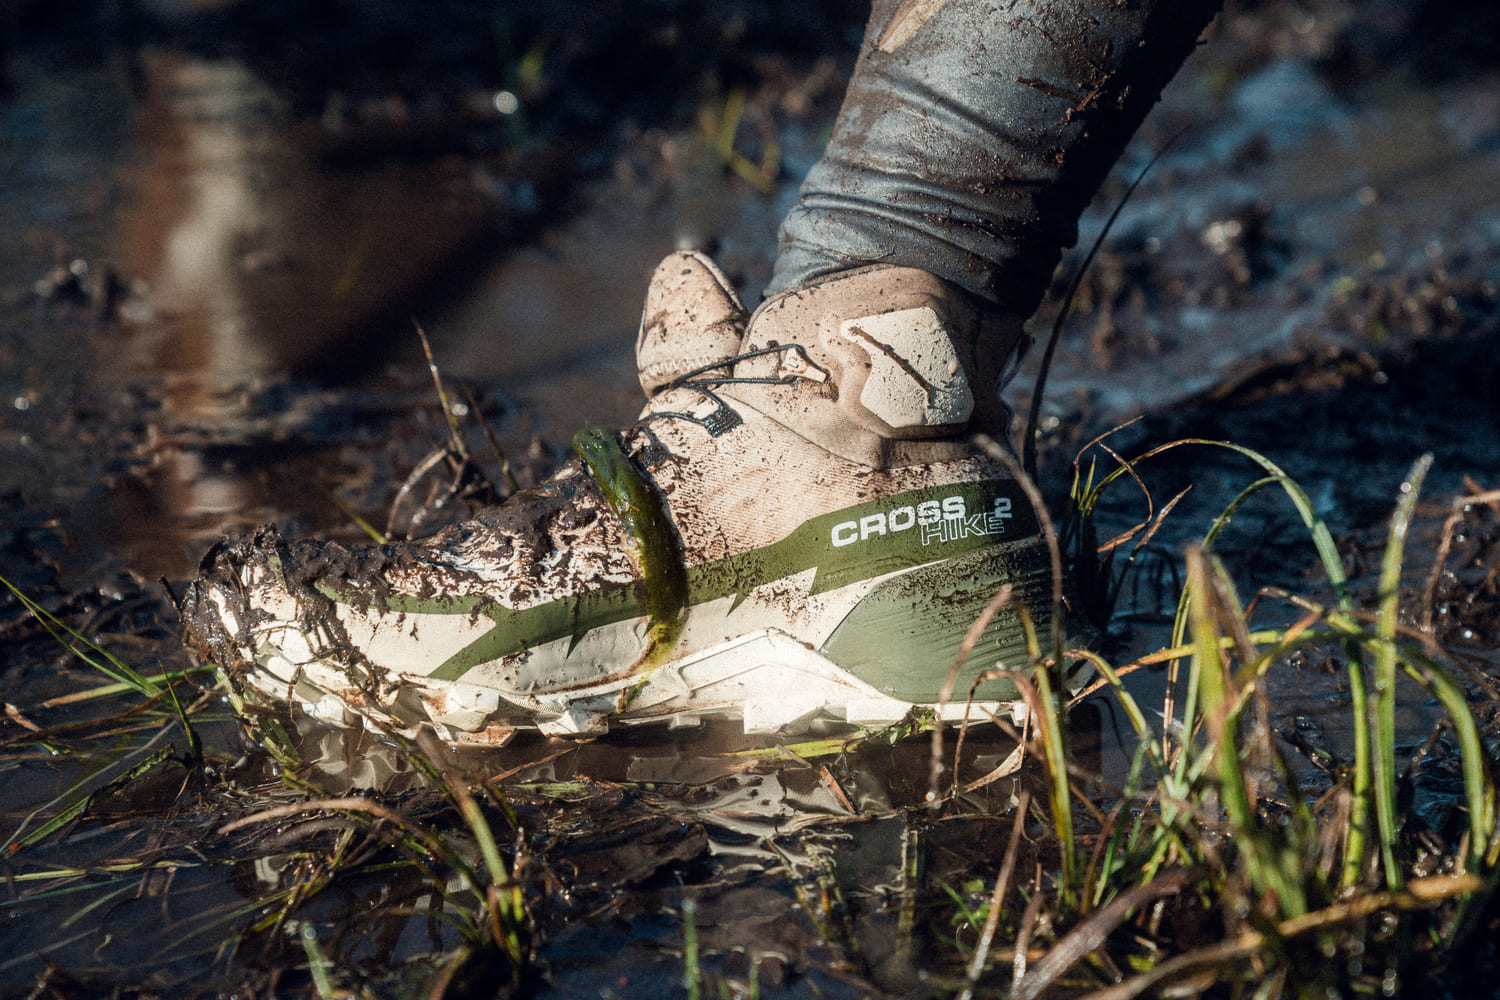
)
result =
(975, 132)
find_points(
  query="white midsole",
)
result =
(770, 680)
(758, 671)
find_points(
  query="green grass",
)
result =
(1212, 816)
(1288, 891)
(86, 650)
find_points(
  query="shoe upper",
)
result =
(878, 364)
(899, 360)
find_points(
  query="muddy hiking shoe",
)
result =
(796, 528)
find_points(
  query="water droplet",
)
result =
(506, 103)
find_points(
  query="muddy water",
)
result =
(205, 315)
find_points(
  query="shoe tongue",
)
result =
(692, 319)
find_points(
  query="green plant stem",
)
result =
(1272, 869)
(1363, 781)
(1384, 758)
(85, 649)
(691, 973)
(317, 963)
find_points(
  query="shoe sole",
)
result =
(573, 666)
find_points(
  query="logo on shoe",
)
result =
(915, 528)
(945, 520)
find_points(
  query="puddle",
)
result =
(205, 324)
(253, 246)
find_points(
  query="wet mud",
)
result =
(218, 244)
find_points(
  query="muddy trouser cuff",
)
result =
(969, 143)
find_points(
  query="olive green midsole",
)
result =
(903, 531)
(904, 636)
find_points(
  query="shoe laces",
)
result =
(690, 379)
(702, 380)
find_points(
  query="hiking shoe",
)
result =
(796, 528)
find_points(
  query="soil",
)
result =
(224, 219)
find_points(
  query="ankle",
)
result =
(881, 365)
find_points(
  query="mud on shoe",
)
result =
(796, 528)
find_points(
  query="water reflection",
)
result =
(259, 249)
(748, 784)
(256, 245)
(259, 245)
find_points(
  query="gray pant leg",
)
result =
(969, 146)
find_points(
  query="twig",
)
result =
(997, 897)
(971, 639)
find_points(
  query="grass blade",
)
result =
(1384, 757)
(17, 842)
(84, 648)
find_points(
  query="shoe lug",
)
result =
(575, 722)
(464, 707)
(888, 711)
(495, 734)
(764, 715)
(328, 709)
